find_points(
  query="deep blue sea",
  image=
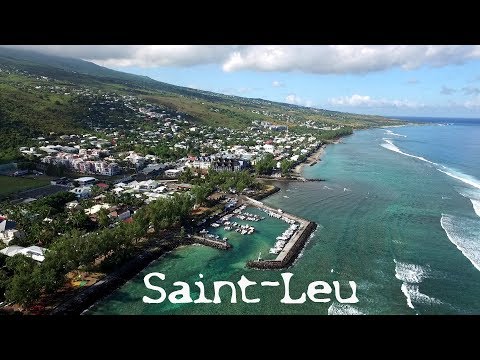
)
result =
(399, 214)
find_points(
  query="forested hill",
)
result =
(42, 94)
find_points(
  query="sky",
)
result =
(408, 80)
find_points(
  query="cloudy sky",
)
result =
(411, 80)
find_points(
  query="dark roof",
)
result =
(7, 225)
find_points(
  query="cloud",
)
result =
(413, 81)
(470, 90)
(367, 101)
(447, 91)
(341, 59)
(297, 100)
(139, 55)
(319, 59)
(473, 103)
(277, 83)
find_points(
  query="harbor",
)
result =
(245, 216)
(289, 244)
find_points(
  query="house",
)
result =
(153, 169)
(82, 192)
(225, 164)
(96, 208)
(173, 173)
(85, 181)
(135, 159)
(35, 252)
(8, 231)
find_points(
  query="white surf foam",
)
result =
(391, 146)
(407, 295)
(465, 235)
(476, 206)
(413, 294)
(473, 196)
(343, 309)
(390, 132)
(467, 179)
(410, 273)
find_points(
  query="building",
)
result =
(82, 192)
(153, 169)
(85, 181)
(8, 231)
(173, 173)
(201, 162)
(225, 164)
(35, 252)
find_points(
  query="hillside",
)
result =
(40, 94)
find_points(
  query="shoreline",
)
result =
(315, 157)
(82, 302)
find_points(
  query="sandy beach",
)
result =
(316, 156)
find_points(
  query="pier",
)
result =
(293, 246)
(218, 244)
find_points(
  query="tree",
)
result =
(265, 165)
(285, 166)
(24, 287)
(186, 176)
(200, 193)
(80, 220)
(102, 218)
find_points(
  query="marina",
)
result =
(246, 218)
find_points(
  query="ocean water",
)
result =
(399, 214)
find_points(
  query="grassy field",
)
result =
(9, 185)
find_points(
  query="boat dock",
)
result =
(294, 245)
(218, 244)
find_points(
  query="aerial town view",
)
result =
(106, 176)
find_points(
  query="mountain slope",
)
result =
(41, 93)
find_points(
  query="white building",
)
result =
(82, 191)
(8, 231)
(85, 181)
(173, 173)
(35, 252)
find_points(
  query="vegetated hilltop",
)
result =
(41, 94)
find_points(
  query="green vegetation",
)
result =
(42, 94)
(23, 279)
(265, 165)
(286, 166)
(9, 185)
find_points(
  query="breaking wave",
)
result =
(343, 309)
(473, 196)
(464, 233)
(413, 294)
(391, 146)
(410, 273)
(390, 132)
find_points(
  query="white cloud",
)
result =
(320, 59)
(412, 81)
(297, 100)
(340, 59)
(473, 103)
(368, 101)
(277, 83)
